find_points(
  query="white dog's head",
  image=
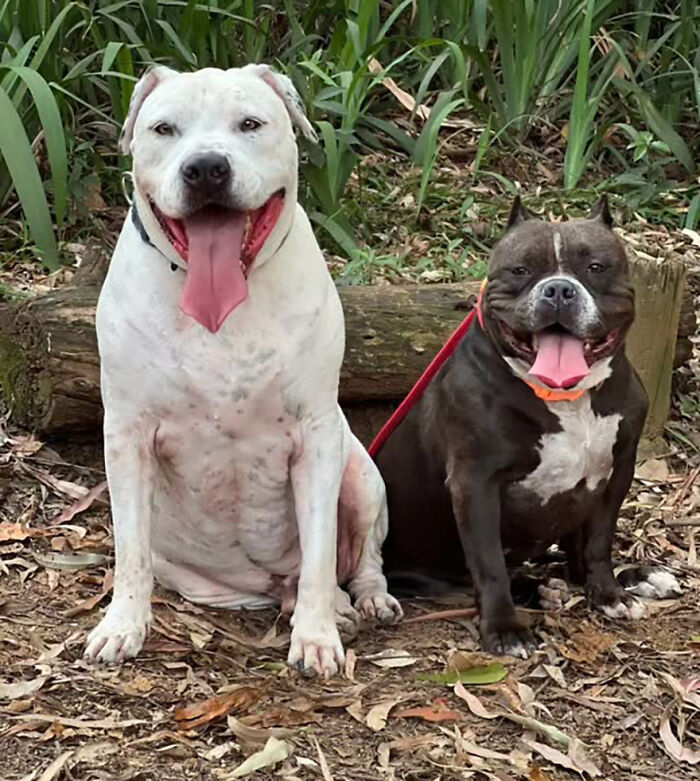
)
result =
(215, 159)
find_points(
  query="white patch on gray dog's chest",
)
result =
(582, 450)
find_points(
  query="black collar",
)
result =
(144, 236)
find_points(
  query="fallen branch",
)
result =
(686, 522)
(463, 612)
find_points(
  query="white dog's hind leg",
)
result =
(363, 508)
(316, 472)
(130, 462)
(347, 619)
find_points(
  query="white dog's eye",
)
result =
(250, 124)
(164, 129)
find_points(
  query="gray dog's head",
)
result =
(559, 299)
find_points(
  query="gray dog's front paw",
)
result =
(507, 639)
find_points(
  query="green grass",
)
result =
(451, 238)
(603, 92)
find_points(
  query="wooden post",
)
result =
(651, 343)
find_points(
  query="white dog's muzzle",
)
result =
(216, 247)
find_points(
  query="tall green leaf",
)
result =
(54, 136)
(16, 149)
(580, 116)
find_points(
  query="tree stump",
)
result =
(651, 344)
(49, 367)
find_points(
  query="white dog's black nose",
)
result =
(559, 291)
(207, 172)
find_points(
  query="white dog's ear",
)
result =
(286, 90)
(145, 85)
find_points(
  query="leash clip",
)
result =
(127, 194)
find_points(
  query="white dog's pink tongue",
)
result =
(215, 281)
(560, 362)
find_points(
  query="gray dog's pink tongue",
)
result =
(215, 281)
(560, 362)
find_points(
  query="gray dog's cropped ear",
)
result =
(144, 86)
(601, 212)
(286, 90)
(518, 213)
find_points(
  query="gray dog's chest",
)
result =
(581, 451)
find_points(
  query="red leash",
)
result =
(419, 388)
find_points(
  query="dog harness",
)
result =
(417, 391)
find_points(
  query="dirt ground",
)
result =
(210, 691)
(600, 698)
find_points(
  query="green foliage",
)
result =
(594, 71)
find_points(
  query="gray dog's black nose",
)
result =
(207, 172)
(559, 291)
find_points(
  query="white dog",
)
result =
(233, 474)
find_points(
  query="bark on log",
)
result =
(49, 367)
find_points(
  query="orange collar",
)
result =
(546, 394)
(554, 394)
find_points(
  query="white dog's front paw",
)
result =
(316, 648)
(379, 606)
(117, 637)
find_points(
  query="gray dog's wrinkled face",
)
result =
(559, 297)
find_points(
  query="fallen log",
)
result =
(49, 367)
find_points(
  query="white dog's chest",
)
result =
(225, 438)
(226, 413)
(581, 451)
(219, 491)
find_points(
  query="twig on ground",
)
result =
(463, 612)
(684, 522)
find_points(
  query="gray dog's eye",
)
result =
(597, 268)
(164, 129)
(249, 124)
